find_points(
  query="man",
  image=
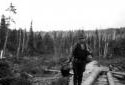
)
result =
(80, 54)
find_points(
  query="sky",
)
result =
(49, 15)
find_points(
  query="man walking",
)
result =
(80, 53)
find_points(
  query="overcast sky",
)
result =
(67, 14)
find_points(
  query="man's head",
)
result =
(82, 39)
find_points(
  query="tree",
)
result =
(11, 9)
(48, 43)
(12, 41)
(57, 40)
(19, 45)
(31, 41)
(24, 41)
(39, 44)
(4, 26)
(3, 30)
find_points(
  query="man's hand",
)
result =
(70, 59)
(89, 58)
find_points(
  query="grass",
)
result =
(36, 66)
(117, 63)
(115, 60)
(61, 81)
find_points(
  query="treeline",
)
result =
(19, 43)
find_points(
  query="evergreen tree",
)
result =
(48, 43)
(3, 31)
(39, 43)
(12, 41)
(31, 41)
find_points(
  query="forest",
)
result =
(106, 43)
(30, 52)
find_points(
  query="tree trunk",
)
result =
(105, 50)
(99, 36)
(90, 80)
(23, 44)
(118, 73)
(5, 43)
(114, 35)
(1, 54)
(110, 78)
(18, 49)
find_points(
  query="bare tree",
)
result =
(18, 49)
(23, 44)
(5, 44)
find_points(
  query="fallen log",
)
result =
(119, 73)
(93, 76)
(110, 78)
(120, 77)
(51, 70)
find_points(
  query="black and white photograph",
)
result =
(62, 42)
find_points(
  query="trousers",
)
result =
(78, 69)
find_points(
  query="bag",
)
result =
(89, 58)
(65, 69)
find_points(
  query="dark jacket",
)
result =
(79, 53)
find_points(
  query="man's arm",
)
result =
(72, 53)
(89, 48)
(89, 53)
(89, 56)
